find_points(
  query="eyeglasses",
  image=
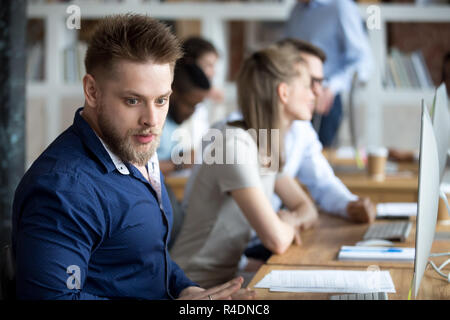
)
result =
(318, 81)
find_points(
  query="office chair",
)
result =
(178, 216)
(7, 274)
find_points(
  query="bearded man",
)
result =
(91, 217)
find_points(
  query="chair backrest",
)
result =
(7, 274)
(178, 216)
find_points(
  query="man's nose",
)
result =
(149, 116)
(317, 89)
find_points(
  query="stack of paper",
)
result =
(328, 281)
(396, 209)
(376, 253)
(346, 152)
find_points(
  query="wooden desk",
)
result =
(321, 245)
(177, 184)
(432, 286)
(395, 188)
(334, 160)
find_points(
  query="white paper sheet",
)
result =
(328, 281)
(376, 253)
(397, 209)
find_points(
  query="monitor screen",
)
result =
(428, 195)
(441, 126)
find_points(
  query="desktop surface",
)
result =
(433, 286)
(321, 245)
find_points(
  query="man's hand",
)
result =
(361, 210)
(324, 101)
(226, 291)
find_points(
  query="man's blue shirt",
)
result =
(74, 211)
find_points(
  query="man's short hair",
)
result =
(131, 37)
(195, 47)
(303, 46)
(189, 76)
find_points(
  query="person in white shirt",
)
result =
(304, 158)
(226, 201)
(305, 161)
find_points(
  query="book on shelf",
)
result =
(407, 71)
(399, 64)
(73, 57)
(422, 70)
(35, 62)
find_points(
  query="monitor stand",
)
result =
(442, 219)
(438, 269)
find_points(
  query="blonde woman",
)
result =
(226, 201)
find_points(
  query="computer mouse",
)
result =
(375, 243)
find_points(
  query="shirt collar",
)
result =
(152, 164)
(120, 166)
(99, 148)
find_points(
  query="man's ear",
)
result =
(91, 90)
(283, 92)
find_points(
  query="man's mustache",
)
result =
(145, 132)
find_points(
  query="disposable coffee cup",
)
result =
(376, 163)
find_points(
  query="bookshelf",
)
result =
(51, 91)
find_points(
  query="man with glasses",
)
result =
(304, 158)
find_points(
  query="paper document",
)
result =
(345, 153)
(328, 281)
(397, 209)
(376, 253)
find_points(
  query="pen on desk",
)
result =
(372, 250)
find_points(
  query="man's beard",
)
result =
(123, 147)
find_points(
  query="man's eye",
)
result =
(161, 101)
(132, 101)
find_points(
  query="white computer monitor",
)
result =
(428, 197)
(441, 126)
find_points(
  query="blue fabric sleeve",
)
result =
(56, 234)
(357, 53)
(178, 280)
